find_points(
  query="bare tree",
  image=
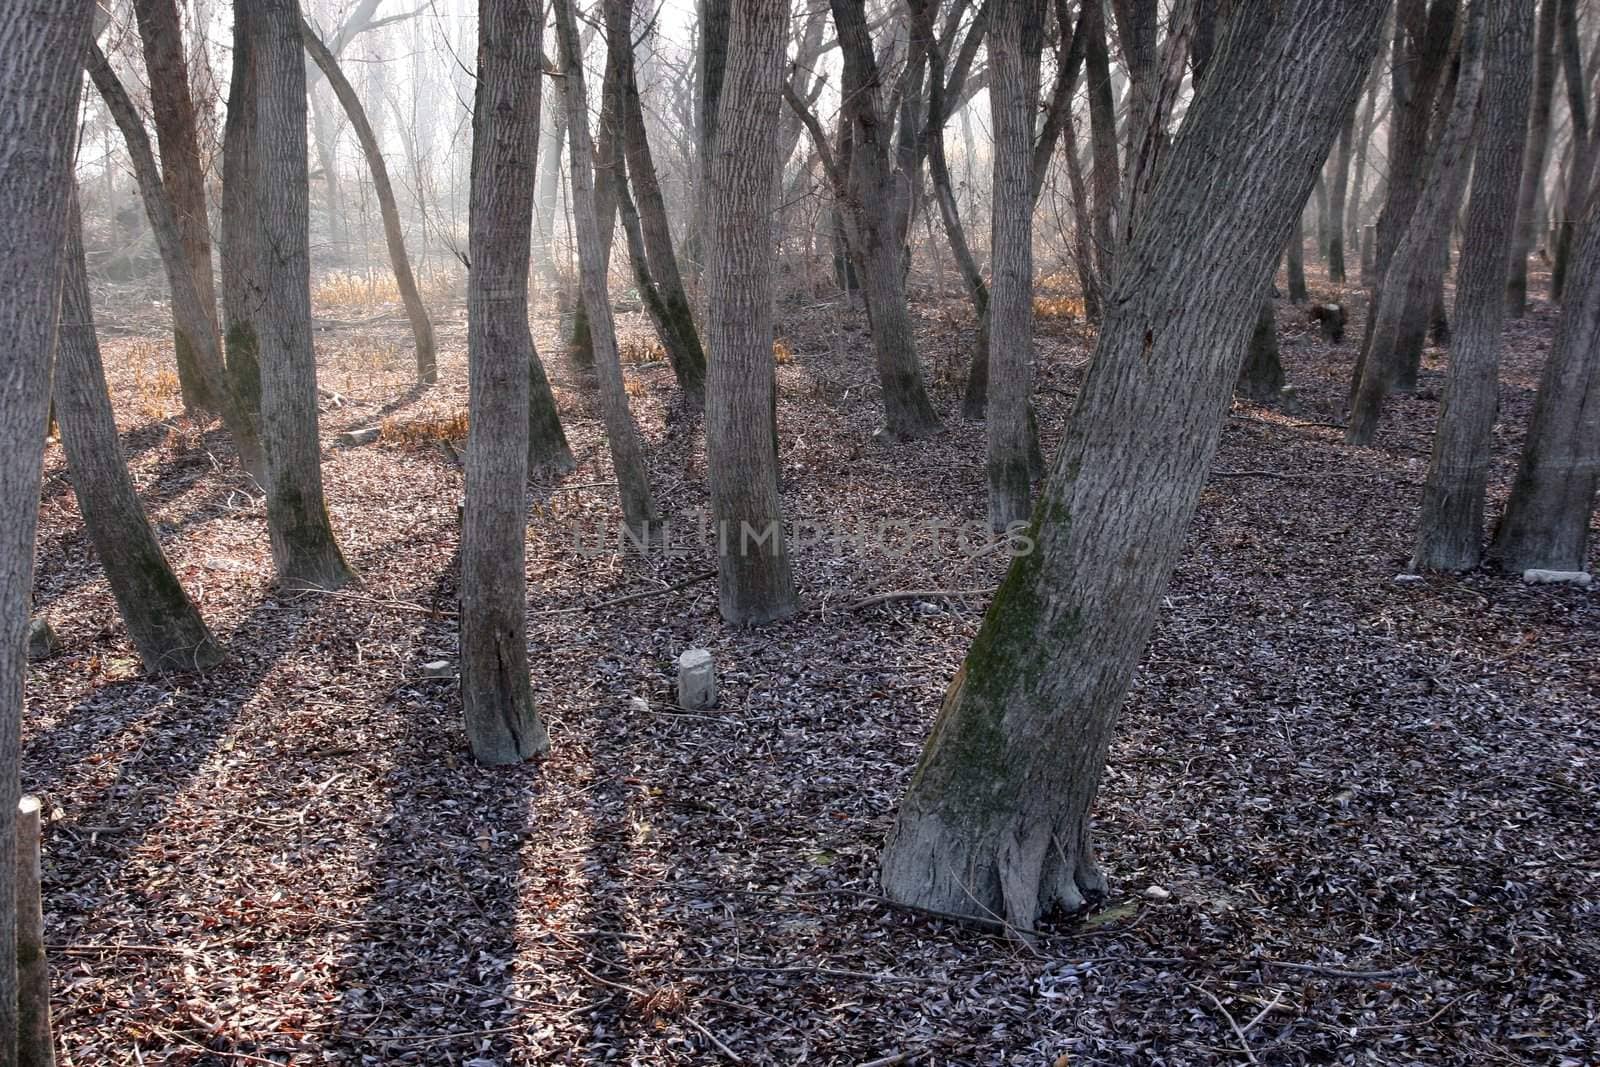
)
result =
(1581, 144)
(1536, 159)
(496, 694)
(303, 547)
(41, 65)
(755, 584)
(996, 819)
(1450, 530)
(638, 509)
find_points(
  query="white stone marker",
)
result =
(697, 680)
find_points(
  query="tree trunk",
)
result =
(1546, 521)
(996, 818)
(1297, 261)
(35, 1043)
(1577, 187)
(1103, 135)
(637, 507)
(327, 143)
(1336, 199)
(552, 143)
(173, 109)
(606, 159)
(1355, 229)
(41, 65)
(162, 621)
(753, 570)
(1406, 293)
(421, 328)
(241, 237)
(1535, 159)
(188, 309)
(304, 551)
(502, 724)
(1016, 38)
(1261, 377)
(1450, 530)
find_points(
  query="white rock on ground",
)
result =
(697, 680)
(1582, 579)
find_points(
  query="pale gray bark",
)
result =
(41, 64)
(35, 1043)
(304, 551)
(1450, 529)
(755, 584)
(1338, 187)
(638, 509)
(165, 626)
(1261, 377)
(240, 249)
(1103, 135)
(1536, 158)
(995, 821)
(1576, 188)
(502, 724)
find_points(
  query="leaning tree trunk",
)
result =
(996, 819)
(638, 509)
(165, 626)
(304, 551)
(1450, 530)
(421, 328)
(1016, 36)
(188, 308)
(172, 107)
(1546, 521)
(755, 584)
(502, 724)
(41, 64)
(1582, 148)
(1535, 159)
(1406, 285)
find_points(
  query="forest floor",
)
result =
(1346, 820)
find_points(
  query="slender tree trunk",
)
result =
(41, 65)
(173, 109)
(1297, 261)
(1337, 189)
(1405, 281)
(1450, 530)
(1354, 226)
(546, 202)
(754, 580)
(241, 237)
(421, 327)
(36, 1045)
(1103, 135)
(1536, 159)
(162, 621)
(1320, 199)
(996, 818)
(1016, 37)
(1577, 188)
(1089, 281)
(607, 162)
(502, 724)
(188, 309)
(327, 143)
(1546, 521)
(1261, 377)
(304, 551)
(626, 456)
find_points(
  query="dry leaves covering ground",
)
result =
(1368, 810)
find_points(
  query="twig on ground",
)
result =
(1244, 1042)
(918, 594)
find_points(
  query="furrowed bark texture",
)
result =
(1261, 377)
(753, 569)
(304, 551)
(1450, 529)
(995, 821)
(394, 237)
(502, 724)
(1535, 158)
(41, 64)
(163, 622)
(1103, 135)
(1580, 145)
(172, 107)
(626, 456)
(1546, 521)
(241, 244)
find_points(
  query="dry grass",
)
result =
(782, 354)
(425, 430)
(156, 393)
(1058, 307)
(355, 289)
(636, 351)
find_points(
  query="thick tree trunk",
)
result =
(996, 819)
(188, 309)
(753, 570)
(165, 626)
(626, 456)
(241, 237)
(502, 724)
(1406, 294)
(1261, 377)
(1535, 159)
(421, 327)
(172, 106)
(1450, 530)
(1546, 521)
(1016, 38)
(41, 64)
(304, 551)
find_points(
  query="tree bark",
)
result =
(41, 64)
(1406, 284)
(241, 237)
(995, 821)
(165, 626)
(1546, 520)
(1337, 189)
(1450, 530)
(1581, 168)
(502, 725)
(1297, 261)
(304, 551)
(1261, 377)
(754, 580)
(35, 1043)
(1103, 135)
(638, 509)
(1536, 158)
(394, 238)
